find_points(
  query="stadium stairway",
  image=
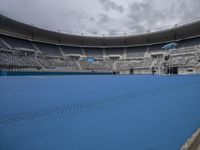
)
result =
(79, 66)
(61, 51)
(36, 48)
(114, 66)
(5, 43)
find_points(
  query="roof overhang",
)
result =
(27, 31)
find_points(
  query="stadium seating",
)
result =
(98, 65)
(136, 52)
(17, 43)
(48, 49)
(2, 45)
(94, 52)
(11, 60)
(114, 51)
(22, 55)
(69, 50)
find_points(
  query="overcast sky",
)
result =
(102, 16)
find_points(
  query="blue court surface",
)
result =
(98, 112)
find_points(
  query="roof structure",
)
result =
(18, 29)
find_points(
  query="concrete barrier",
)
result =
(26, 73)
(193, 143)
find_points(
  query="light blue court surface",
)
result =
(98, 112)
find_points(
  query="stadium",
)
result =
(106, 92)
(25, 48)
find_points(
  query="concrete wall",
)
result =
(193, 143)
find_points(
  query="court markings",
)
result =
(50, 113)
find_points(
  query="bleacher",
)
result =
(69, 50)
(114, 51)
(136, 52)
(97, 65)
(94, 52)
(2, 45)
(18, 44)
(188, 49)
(56, 58)
(48, 49)
(15, 60)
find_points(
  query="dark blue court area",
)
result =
(94, 112)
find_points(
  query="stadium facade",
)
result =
(28, 48)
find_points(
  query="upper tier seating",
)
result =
(69, 50)
(186, 54)
(135, 52)
(94, 52)
(13, 60)
(2, 45)
(17, 43)
(48, 49)
(114, 51)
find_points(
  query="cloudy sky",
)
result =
(102, 16)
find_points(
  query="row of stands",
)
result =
(136, 52)
(20, 62)
(71, 50)
(10, 60)
(25, 69)
(47, 63)
(20, 54)
(189, 42)
(98, 65)
(188, 49)
(114, 51)
(54, 50)
(18, 44)
(94, 52)
(48, 49)
(187, 61)
(2, 44)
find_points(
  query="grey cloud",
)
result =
(113, 32)
(103, 18)
(89, 16)
(147, 15)
(143, 16)
(190, 10)
(110, 5)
